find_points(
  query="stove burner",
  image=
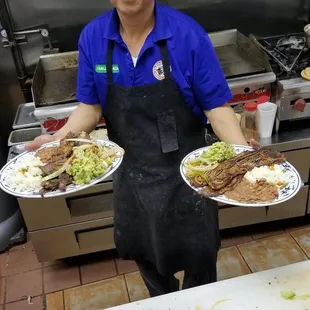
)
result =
(288, 54)
(293, 42)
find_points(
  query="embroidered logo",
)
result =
(103, 69)
(158, 70)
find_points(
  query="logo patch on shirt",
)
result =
(158, 70)
(103, 69)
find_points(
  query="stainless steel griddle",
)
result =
(55, 79)
(238, 56)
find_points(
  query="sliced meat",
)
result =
(53, 166)
(47, 154)
(208, 192)
(53, 154)
(223, 174)
(64, 180)
(49, 186)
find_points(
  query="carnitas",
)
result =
(228, 174)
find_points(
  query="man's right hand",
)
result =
(39, 141)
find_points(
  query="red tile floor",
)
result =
(102, 280)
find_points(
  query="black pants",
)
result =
(160, 285)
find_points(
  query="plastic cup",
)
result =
(265, 117)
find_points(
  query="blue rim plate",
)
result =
(285, 194)
(70, 189)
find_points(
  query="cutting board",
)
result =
(260, 291)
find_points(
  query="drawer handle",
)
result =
(84, 238)
(90, 204)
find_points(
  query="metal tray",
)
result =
(55, 79)
(15, 151)
(25, 117)
(23, 136)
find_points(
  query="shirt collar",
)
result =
(160, 32)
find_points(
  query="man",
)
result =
(153, 73)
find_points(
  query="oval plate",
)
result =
(285, 194)
(72, 188)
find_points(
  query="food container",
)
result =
(23, 136)
(248, 121)
(25, 117)
(15, 151)
(307, 32)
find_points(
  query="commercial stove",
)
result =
(245, 66)
(289, 55)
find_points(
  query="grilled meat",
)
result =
(64, 180)
(208, 192)
(226, 171)
(53, 166)
(47, 154)
(49, 186)
(53, 154)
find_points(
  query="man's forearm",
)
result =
(84, 118)
(226, 125)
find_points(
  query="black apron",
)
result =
(157, 216)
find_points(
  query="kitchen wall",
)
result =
(66, 18)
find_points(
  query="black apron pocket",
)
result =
(168, 131)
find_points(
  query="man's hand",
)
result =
(254, 144)
(84, 118)
(39, 141)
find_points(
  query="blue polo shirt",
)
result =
(194, 64)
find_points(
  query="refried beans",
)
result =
(260, 191)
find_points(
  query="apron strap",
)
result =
(165, 58)
(110, 62)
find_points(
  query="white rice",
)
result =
(101, 134)
(26, 174)
(275, 175)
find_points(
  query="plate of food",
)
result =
(61, 167)
(238, 175)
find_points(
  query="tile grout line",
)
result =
(244, 259)
(116, 268)
(63, 299)
(4, 292)
(44, 304)
(80, 275)
(299, 246)
(126, 287)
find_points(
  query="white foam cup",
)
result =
(265, 117)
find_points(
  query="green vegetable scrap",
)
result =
(219, 152)
(218, 303)
(290, 295)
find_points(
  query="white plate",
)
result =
(285, 194)
(70, 189)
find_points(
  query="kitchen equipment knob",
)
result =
(300, 105)
(4, 33)
(44, 33)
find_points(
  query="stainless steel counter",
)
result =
(290, 139)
